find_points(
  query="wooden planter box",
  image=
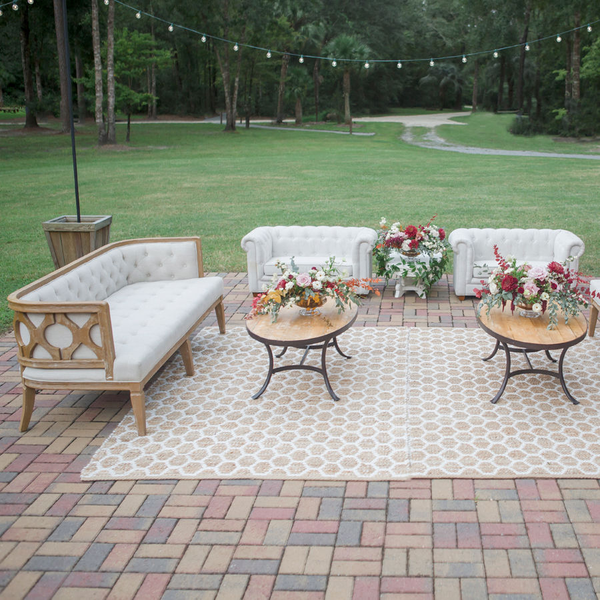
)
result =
(69, 240)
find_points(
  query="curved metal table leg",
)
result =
(506, 373)
(338, 349)
(493, 352)
(269, 374)
(550, 356)
(561, 376)
(324, 371)
(282, 352)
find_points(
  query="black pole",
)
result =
(70, 99)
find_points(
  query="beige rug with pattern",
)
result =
(414, 403)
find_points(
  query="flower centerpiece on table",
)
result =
(534, 289)
(308, 290)
(405, 244)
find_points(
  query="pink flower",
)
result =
(530, 288)
(537, 273)
(303, 279)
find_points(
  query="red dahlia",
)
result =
(509, 283)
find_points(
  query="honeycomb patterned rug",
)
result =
(414, 403)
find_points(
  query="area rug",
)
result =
(414, 403)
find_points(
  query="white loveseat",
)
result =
(111, 319)
(474, 252)
(310, 246)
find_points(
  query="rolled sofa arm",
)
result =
(568, 244)
(258, 246)
(462, 247)
(362, 253)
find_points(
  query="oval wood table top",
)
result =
(525, 332)
(294, 329)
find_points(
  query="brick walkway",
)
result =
(448, 539)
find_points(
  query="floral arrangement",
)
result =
(405, 243)
(309, 289)
(537, 289)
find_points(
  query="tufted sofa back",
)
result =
(534, 244)
(98, 278)
(313, 240)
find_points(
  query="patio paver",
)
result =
(470, 539)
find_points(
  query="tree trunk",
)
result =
(30, 113)
(347, 116)
(285, 61)
(63, 68)
(81, 111)
(152, 77)
(316, 85)
(501, 82)
(569, 75)
(99, 89)
(538, 96)
(1, 96)
(521, 74)
(475, 85)
(225, 75)
(111, 137)
(298, 111)
(38, 79)
(576, 61)
(128, 127)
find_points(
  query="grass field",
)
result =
(196, 180)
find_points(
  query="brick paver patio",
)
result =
(449, 539)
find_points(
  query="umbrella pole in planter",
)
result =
(70, 237)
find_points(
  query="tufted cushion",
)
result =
(147, 319)
(535, 244)
(305, 263)
(312, 241)
(106, 274)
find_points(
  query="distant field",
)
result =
(197, 180)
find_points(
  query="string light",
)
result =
(464, 59)
(589, 28)
(431, 63)
(367, 65)
(526, 47)
(106, 2)
(334, 63)
(29, 1)
(15, 6)
(235, 47)
(138, 15)
(268, 54)
(301, 59)
(171, 27)
(495, 53)
(558, 38)
(203, 39)
(399, 65)
(0, 12)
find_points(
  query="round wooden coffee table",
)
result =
(524, 335)
(293, 330)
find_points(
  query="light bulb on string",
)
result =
(171, 27)
(399, 65)
(558, 38)
(589, 28)
(138, 15)
(431, 63)
(106, 2)
(526, 47)
(464, 59)
(203, 38)
(15, 6)
(301, 59)
(29, 1)
(334, 63)
(367, 65)
(268, 54)
(0, 12)
(495, 53)
(235, 47)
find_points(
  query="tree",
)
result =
(98, 83)
(111, 131)
(30, 110)
(63, 68)
(351, 48)
(299, 83)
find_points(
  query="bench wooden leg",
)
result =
(138, 402)
(28, 402)
(593, 319)
(220, 310)
(186, 353)
(461, 298)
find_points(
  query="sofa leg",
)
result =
(138, 402)
(461, 298)
(220, 310)
(28, 402)
(593, 320)
(186, 354)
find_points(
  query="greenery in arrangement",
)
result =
(309, 290)
(423, 250)
(551, 289)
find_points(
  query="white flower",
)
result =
(406, 245)
(545, 296)
(509, 270)
(537, 307)
(509, 258)
(289, 285)
(320, 275)
(396, 224)
(527, 293)
(317, 285)
(493, 288)
(491, 278)
(394, 230)
(382, 222)
(264, 287)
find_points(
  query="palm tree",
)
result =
(351, 52)
(299, 83)
(444, 76)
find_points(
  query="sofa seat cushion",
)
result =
(305, 263)
(147, 319)
(483, 268)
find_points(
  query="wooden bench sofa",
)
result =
(111, 319)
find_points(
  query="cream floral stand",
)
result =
(406, 278)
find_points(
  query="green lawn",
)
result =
(197, 180)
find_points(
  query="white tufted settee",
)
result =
(310, 246)
(474, 252)
(111, 319)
